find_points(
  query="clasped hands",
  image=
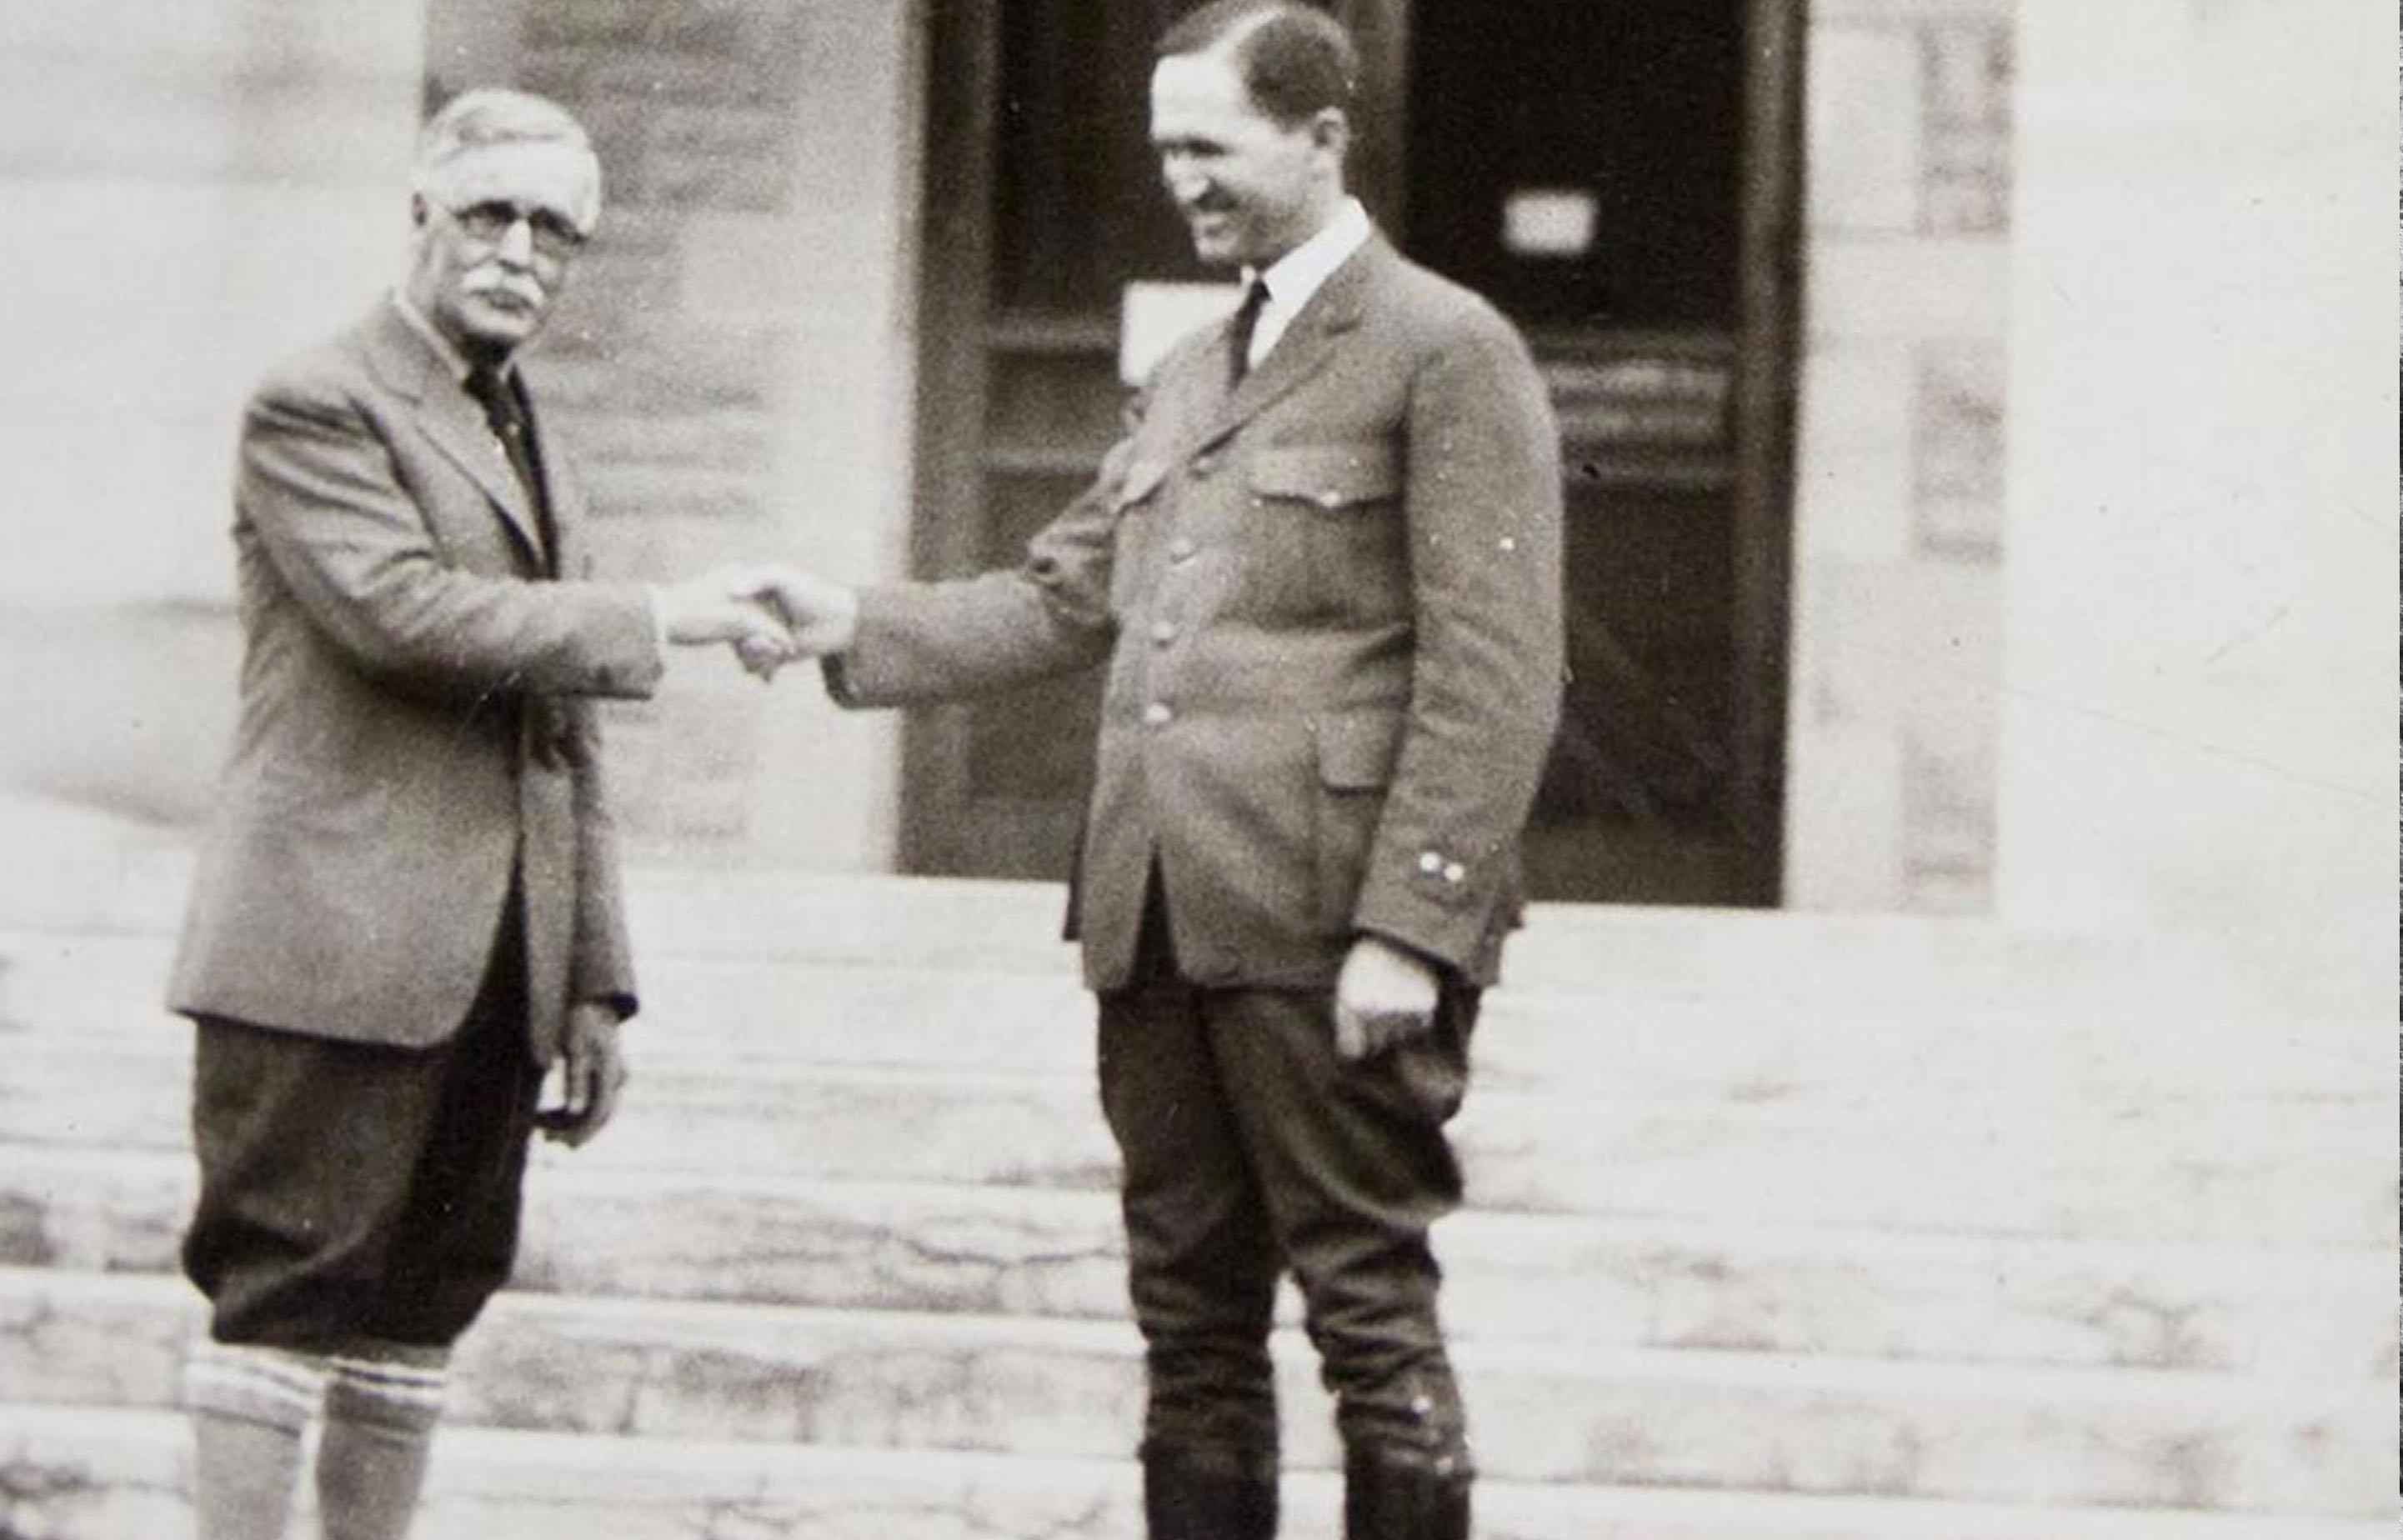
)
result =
(769, 615)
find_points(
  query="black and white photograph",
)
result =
(1199, 770)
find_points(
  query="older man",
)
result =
(1325, 571)
(407, 906)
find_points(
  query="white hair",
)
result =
(479, 119)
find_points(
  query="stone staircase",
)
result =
(1781, 1227)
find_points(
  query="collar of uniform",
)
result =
(1292, 280)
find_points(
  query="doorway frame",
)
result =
(955, 264)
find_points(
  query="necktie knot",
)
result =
(491, 392)
(506, 416)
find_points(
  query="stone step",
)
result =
(1606, 1286)
(1719, 1422)
(1802, 959)
(1606, 1034)
(123, 1474)
(2185, 1171)
(131, 881)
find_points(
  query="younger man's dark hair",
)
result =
(1294, 59)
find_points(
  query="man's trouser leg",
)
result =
(1201, 1274)
(359, 1206)
(1353, 1167)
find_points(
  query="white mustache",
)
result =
(522, 293)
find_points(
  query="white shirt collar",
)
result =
(418, 321)
(1295, 278)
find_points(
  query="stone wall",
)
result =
(1899, 487)
(187, 191)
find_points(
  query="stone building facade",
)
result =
(736, 363)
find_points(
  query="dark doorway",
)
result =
(1618, 176)
(1634, 106)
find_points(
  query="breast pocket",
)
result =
(1333, 516)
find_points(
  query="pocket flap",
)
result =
(1332, 476)
(1357, 751)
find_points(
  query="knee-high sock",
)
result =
(379, 1430)
(249, 1407)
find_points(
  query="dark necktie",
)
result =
(1239, 331)
(506, 413)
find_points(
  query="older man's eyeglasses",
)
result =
(492, 220)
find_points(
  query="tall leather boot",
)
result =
(1393, 1495)
(1208, 1494)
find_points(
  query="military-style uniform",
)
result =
(1330, 599)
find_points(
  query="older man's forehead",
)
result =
(536, 174)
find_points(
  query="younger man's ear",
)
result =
(1329, 129)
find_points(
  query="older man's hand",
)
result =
(593, 1070)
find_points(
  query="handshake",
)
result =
(771, 615)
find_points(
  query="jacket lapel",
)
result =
(565, 493)
(450, 419)
(1307, 344)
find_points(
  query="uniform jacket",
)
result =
(411, 726)
(1330, 604)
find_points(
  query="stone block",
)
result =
(701, 155)
(672, 362)
(730, 439)
(1864, 289)
(1968, 191)
(1843, 820)
(593, 23)
(1966, 171)
(727, 31)
(1851, 493)
(631, 491)
(1967, 74)
(1958, 450)
(1864, 129)
(683, 764)
(1948, 828)
(827, 270)
(616, 282)
(1883, 647)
